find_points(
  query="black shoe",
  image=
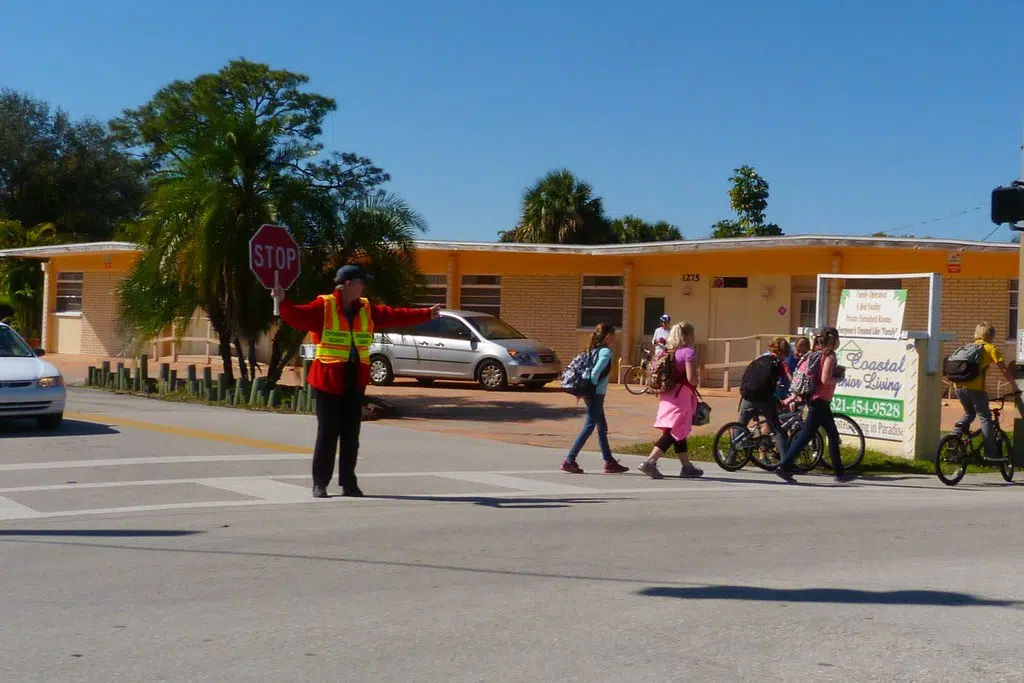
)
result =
(784, 475)
(844, 478)
(352, 492)
(319, 491)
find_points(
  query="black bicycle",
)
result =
(736, 444)
(956, 451)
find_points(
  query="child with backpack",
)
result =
(967, 367)
(759, 388)
(677, 401)
(592, 387)
(815, 381)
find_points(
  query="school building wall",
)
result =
(542, 293)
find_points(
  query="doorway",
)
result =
(654, 307)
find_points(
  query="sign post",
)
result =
(274, 258)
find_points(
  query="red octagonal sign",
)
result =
(273, 252)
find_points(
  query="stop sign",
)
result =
(274, 253)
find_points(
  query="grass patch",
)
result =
(874, 462)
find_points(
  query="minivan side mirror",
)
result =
(39, 352)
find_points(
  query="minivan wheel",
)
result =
(381, 373)
(492, 376)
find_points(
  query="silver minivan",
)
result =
(461, 345)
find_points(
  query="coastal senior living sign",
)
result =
(874, 313)
(875, 390)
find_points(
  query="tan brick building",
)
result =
(737, 292)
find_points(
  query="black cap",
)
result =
(351, 272)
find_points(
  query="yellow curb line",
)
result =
(189, 433)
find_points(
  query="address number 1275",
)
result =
(691, 277)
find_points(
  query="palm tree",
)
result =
(633, 230)
(378, 232)
(21, 280)
(560, 209)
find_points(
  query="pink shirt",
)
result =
(825, 391)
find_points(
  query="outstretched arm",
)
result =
(386, 316)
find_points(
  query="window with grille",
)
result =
(69, 293)
(808, 312)
(482, 294)
(1011, 319)
(433, 291)
(601, 301)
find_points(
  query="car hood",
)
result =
(524, 345)
(21, 369)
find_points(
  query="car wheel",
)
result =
(381, 373)
(492, 376)
(425, 381)
(51, 422)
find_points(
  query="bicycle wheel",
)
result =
(636, 380)
(1005, 450)
(732, 446)
(765, 455)
(851, 442)
(951, 460)
(807, 459)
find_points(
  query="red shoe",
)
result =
(571, 467)
(614, 467)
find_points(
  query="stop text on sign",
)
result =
(276, 258)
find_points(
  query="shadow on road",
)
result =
(505, 503)
(24, 429)
(826, 595)
(100, 533)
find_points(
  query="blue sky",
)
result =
(863, 116)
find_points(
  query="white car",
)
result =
(29, 387)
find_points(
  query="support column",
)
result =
(44, 325)
(626, 348)
(452, 283)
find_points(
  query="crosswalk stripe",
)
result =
(10, 509)
(258, 487)
(155, 460)
(507, 482)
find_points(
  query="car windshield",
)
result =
(493, 328)
(11, 345)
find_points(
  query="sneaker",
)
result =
(614, 467)
(691, 472)
(844, 478)
(651, 470)
(571, 467)
(784, 475)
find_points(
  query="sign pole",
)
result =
(277, 284)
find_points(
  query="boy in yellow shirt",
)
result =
(972, 394)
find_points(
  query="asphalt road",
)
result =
(156, 542)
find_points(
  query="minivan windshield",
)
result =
(492, 328)
(11, 345)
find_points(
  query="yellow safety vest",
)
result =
(337, 340)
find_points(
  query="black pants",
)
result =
(666, 442)
(338, 419)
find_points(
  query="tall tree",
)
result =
(71, 174)
(633, 230)
(560, 209)
(231, 151)
(749, 199)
